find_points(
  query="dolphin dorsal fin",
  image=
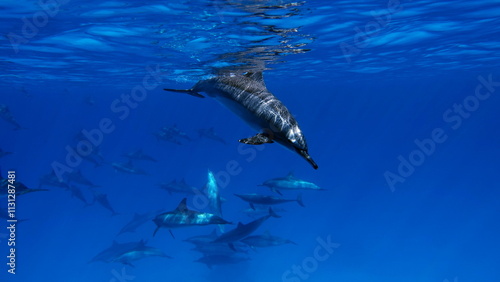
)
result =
(290, 175)
(182, 207)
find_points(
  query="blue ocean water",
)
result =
(398, 101)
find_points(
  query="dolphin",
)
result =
(4, 153)
(265, 240)
(202, 239)
(102, 199)
(243, 230)
(6, 115)
(115, 250)
(220, 249)
(182, 216)
(77, 177)
(248, 97)
(77, 193)
(139, 155)
(129, 168)
(260, 210)
(210, 134)
(138, 220)
(138, 253)
(289, 182)
(21, 189)
(181, 187)
(51, 179)
(266, 200)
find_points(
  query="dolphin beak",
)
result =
(306, 156)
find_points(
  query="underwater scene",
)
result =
(250, 141)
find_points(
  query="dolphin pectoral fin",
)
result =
(187, 91)
(258, 139)
(171, 233)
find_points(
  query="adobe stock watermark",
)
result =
(310, 264)
(121, 109)
(371, 29)
(121, 276)
(31, 26)
(454, 117)
(454, 280)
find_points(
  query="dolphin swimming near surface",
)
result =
(182, 216)
(248, 97)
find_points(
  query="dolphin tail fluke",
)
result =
(187, 91)
(299, 200)
(273, 214)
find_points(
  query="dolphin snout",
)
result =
(306, 156)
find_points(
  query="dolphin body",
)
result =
(129, 168)
(4, 153)
(116, 249)
(102, 199)
(140, 156)
(182, 216)
(243, 230)
(138, 253)
(6, 115)
(289, 182)
(266, 240)
(247, 96)
(138, 220)
(267, 200)
(79, 178)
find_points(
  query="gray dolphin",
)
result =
(267, 200)
(4, 153)
(182, 216)
(243, 230)
(289, 182)
(247, 96)
(265, 240)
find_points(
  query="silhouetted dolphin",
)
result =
(247, 96)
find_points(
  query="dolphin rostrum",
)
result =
(248, 97)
